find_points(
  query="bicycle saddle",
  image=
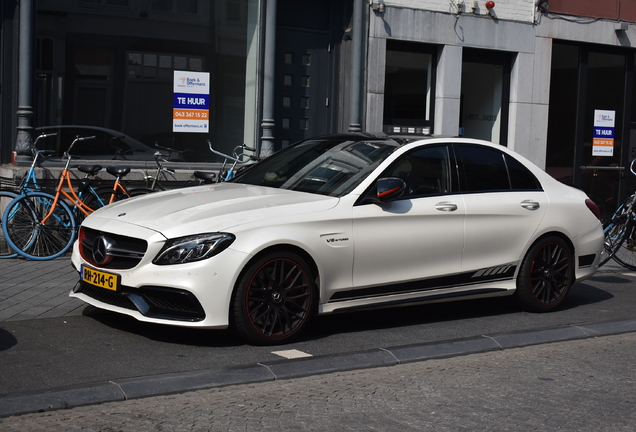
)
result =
(205, 175)
(89, 169)
(118, 172)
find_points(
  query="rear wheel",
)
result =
(274, 300)
(105, 195)
(546, 275)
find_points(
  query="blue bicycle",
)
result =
(40, 225)
(28, 184)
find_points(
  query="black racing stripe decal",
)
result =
(490, 274)
(455, 295)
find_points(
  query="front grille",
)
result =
(105, 296)
(154, 302)
(123, 252)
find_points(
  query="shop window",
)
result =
(122, 3)
(179, 6)
(587, 94)
(485, 95)
(408, 88)
(564, 81)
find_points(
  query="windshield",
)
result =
(323, 166)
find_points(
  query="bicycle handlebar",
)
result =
(67, 153)
(237, 157)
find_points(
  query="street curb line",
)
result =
(180, 382)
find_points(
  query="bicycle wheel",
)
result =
(139, 191)
(625, 254)
(29, 236)
(6, 251)
(614, 230)
(102, 196)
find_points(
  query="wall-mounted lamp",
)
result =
(377, 7)
(490, 4)
(620, 27)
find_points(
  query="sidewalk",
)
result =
(37, 289)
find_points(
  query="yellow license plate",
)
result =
(101, 279)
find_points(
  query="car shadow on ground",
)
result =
(348, 322)
(379, 319)
(163, 333)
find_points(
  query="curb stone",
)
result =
(163, 384)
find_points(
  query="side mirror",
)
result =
(390, 188)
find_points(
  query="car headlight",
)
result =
(193, 248)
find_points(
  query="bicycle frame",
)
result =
(117, 187)
(156, 183)
(30, 182)
(237, 158)
(65, 177)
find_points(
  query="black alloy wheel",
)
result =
(275, 299)
(546, 275)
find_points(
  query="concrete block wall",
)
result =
(513, 10)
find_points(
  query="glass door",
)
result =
(588, 140)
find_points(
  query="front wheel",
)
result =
(6, 251)
(30, 235)
(274, 300)
(546, 275)
(625, 253)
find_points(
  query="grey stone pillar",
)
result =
(269, 69)
(357, 54)
(24, 140)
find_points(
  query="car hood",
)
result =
(211, 208)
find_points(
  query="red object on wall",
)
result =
(490, 4)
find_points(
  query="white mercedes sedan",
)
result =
(338, 223)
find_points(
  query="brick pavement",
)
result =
(582, 385)
(37, 289)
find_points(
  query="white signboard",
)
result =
(603, 140)
(191, 106)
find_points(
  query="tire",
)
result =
(28, 236)
(275, 299)
(139, 192)
(104, 195)
(6, 251)
(546, 275)
(625, 254)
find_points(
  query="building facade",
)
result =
(551, 79)
(532, 75)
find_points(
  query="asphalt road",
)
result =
(582, 385)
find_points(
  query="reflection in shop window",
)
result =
(161, 66)
(485, 89)
(180, 6)
(123, 3)
(408, 88)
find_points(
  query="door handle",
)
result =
(530, 205)
(446, 206)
